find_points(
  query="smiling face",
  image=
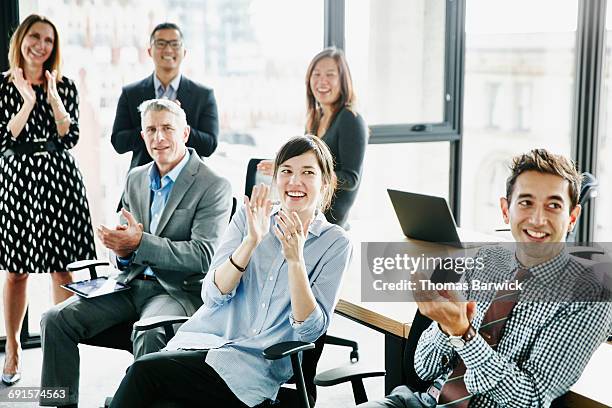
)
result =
(299, 182)
(37, 45)
(325, 82)
(165, 139)
(167, 50)
(540, 212)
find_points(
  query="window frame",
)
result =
(450, 129)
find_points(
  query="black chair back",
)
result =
(588, 191)
(419, 324)
(234, 205)
(251, 176)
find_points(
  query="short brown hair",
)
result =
(303, 144)
(15, 57)
(543, 161)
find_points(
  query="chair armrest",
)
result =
(86, 264)
(286, 349)
(158, 321)
(344, 374)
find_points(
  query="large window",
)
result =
(399, 55)
(603, 215)
(396, 51)
(519, 82)
(417, 167)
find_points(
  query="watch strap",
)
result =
(469, 334)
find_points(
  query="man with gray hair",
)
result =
(175, 210)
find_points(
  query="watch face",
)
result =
(456, 341)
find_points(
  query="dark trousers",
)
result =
(400, 397)
(179, 376)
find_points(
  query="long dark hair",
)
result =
(347, 96)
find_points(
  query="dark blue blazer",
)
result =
(198, 102)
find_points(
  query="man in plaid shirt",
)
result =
(545, 343)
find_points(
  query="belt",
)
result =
(36, 148)
(144, 277)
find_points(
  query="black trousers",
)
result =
(400, 397)
(181, 377)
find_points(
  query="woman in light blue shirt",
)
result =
(275, 278)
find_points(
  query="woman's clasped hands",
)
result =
(292, 235)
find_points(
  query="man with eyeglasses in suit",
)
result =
(167, 50)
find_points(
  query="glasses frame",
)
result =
(162, 44)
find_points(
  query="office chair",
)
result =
(250, 181)
(304, 395)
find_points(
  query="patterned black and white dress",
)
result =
(44, 215)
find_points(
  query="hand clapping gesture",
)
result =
(258, 210)
(266, 167)
(447, 307)
(53, 96)
(123, 240)
(24, 87)
(292, 235)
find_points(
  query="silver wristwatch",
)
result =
(459, 341)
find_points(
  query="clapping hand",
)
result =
(258, 210)
(447, 307)
(292, 235)
(53, 96)
(24, 87)
(124, 239)
(266, 167)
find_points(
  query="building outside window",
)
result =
(530, 52)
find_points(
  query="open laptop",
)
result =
(427, 218)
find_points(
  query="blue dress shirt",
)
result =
(160, 191)
(238, 326)
(169, 92)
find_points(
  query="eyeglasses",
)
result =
(161, 44)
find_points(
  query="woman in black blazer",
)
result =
(331, 115)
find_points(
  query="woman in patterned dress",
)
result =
(44, 215)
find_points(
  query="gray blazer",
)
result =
(189, 230)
